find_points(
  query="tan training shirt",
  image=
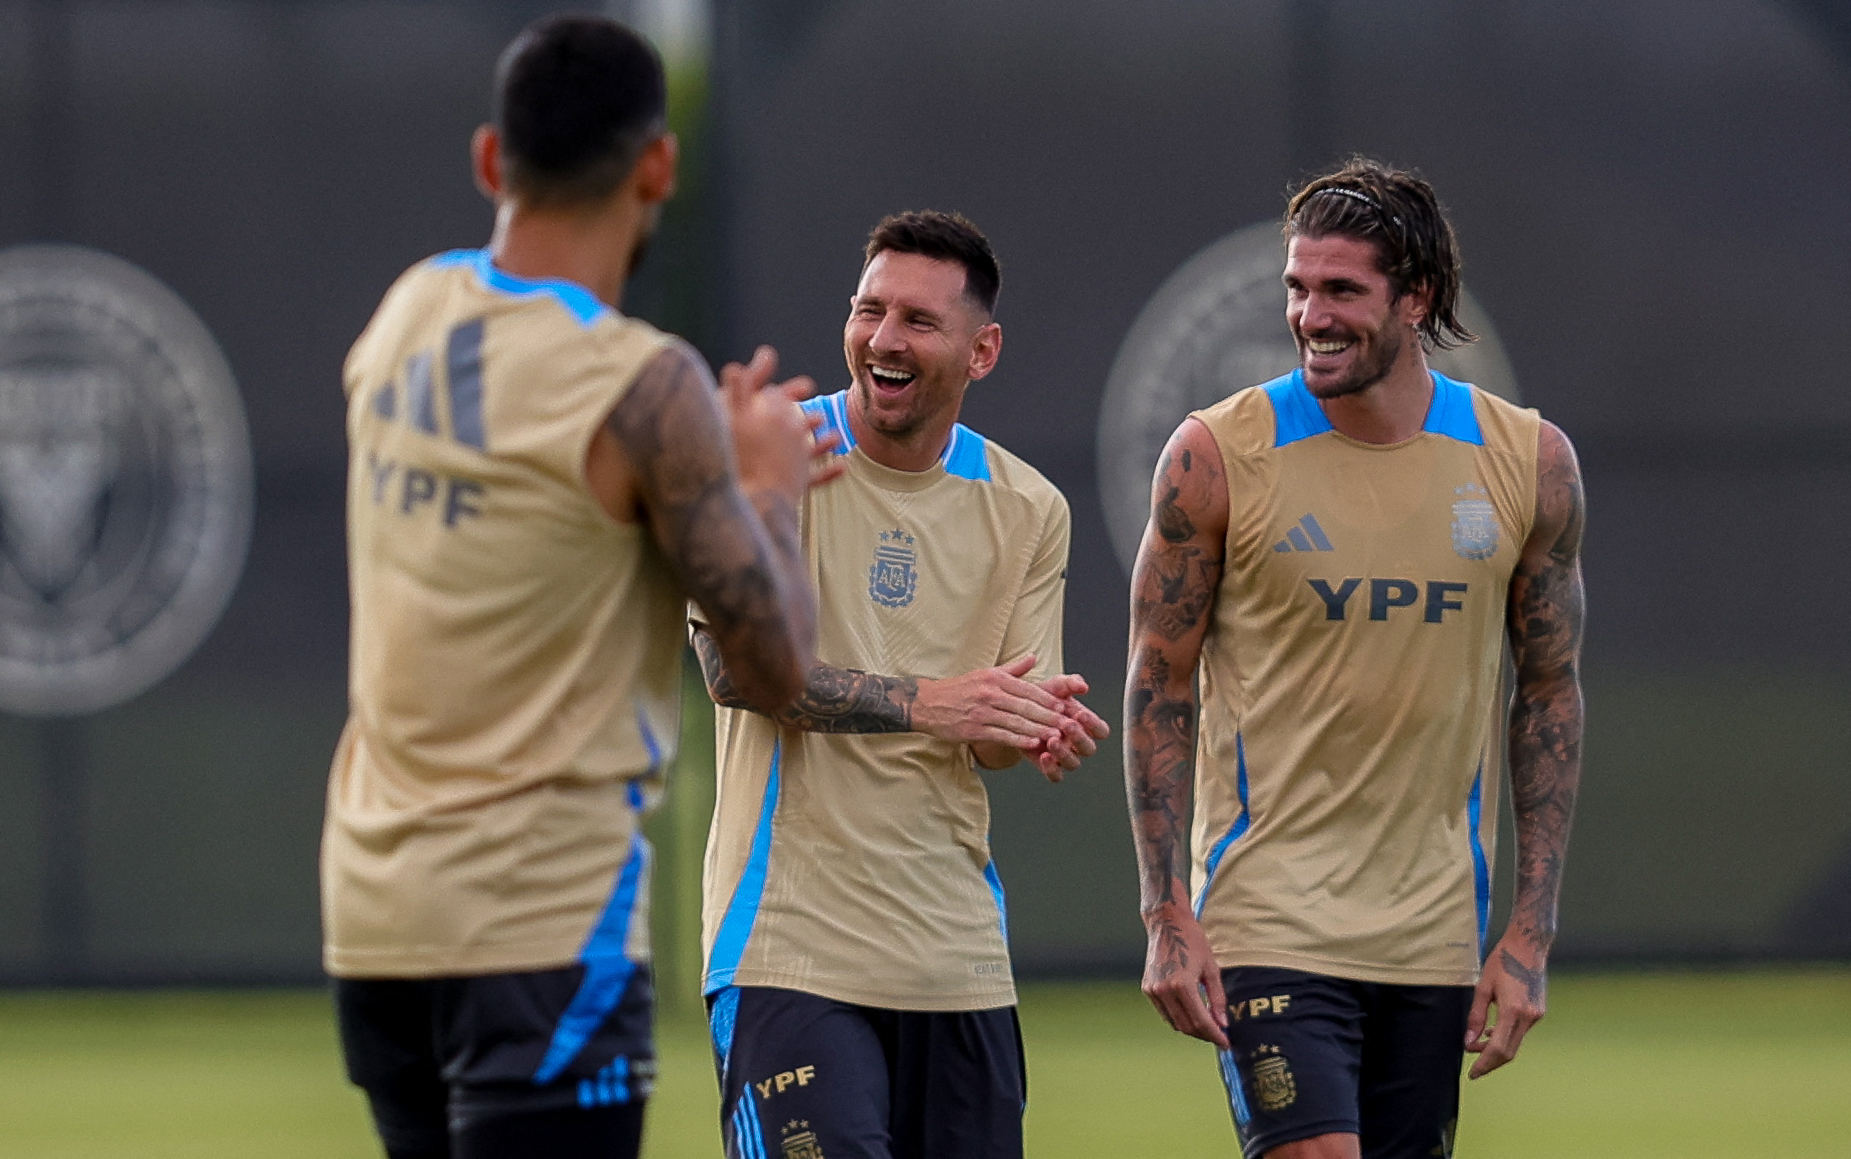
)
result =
(516, 652)
(1351, 719)
(857, 867)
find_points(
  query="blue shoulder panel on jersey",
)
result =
(1451, 412)
(607, 969)
(578, 301)
(1481, 866)
(967, 455)
(1235, 832)
(835, 418)
(1296, 415)
(729, 944)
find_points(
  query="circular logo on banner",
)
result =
(1215, 326)
(125, 481)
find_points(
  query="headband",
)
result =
(1357, 195)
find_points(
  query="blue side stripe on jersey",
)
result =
(581, 303)
(607, 969)
(463, 365)
(1296, 415)
(1234, 833)
(1451, 412)
(996, 891)
(721, 1023)
(729, 944)
(1481, 866)
(838, 411)
(967, 455)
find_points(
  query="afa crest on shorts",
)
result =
(1475, 523)
(895, 575)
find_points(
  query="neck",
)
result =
(1391, 410)
(918, 450)
(590, 246)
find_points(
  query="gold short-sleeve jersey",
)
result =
(1349, 739)
(857, 867)
(516, 652)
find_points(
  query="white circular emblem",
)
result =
(1217, 325)
(125, 481)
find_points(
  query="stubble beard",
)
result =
(1366, 374)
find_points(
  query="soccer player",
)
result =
(537, 486)
(857, 955)
(1336, 559)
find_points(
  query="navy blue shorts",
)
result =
(548, 1062)
(803, 1077)
(1313, 1055)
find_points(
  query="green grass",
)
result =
(1671, 1065)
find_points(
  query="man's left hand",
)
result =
(1514, 984)
(1081, 732)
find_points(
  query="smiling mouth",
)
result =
(1327, 346)
(890, 379)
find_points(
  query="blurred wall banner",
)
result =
(125, 481)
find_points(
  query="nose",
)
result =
(888, 337)
(1311, 312)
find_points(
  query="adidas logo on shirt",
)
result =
(1306, 535)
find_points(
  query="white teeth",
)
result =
(1327, 347)
(897, 377)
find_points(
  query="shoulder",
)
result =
(1002, 469)
(1503, 425)
(1247, 422)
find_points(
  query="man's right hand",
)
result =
(1180, 972)
(990, 706)
(773, 440)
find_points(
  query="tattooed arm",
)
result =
(990, 709)
(1545, 616)
(719, 492)
(1172, 595)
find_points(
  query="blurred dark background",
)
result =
(1654, 203)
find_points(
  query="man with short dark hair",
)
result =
(1320, 607)
(538, 485)
(857, 954)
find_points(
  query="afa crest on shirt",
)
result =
(895, 575)
(1475, 523)
(803, 1144)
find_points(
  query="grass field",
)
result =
(1681, 1066)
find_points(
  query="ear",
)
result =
(485, 158)
(985, 348)
(1415, 305)
(655, 170)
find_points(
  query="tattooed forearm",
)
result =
(1547, 609)
(1173, 591)
(837, 700)
(732, 555)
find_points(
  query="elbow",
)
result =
(771, 690)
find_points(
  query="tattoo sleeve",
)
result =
(1172, 590)
(735, 555)
(1546, 610)
(840, 700)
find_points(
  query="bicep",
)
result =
(1035, 621)
(675, 439)
(1179, 562)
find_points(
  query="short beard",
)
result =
(1365, 376)
(900, 430)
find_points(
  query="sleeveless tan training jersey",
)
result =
(857, 867)
(1346, 796)
(516, 652)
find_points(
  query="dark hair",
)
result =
(1414, 242)
(948, 237)
(577, 99)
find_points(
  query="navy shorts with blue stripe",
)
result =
(1314, 1055)
(439, 1057)
(806, 1077)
